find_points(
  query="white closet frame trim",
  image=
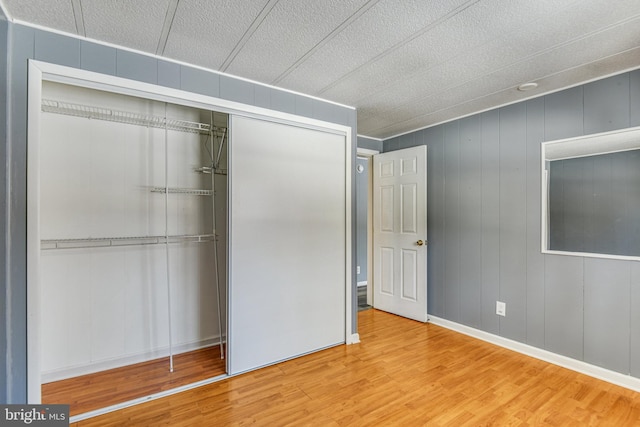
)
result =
(41, 71)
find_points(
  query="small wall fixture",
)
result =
(527, 86)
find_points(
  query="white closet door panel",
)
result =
(287, 265)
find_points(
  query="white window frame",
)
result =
(581, 146)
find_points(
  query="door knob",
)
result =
(419, 243)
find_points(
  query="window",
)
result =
(591, 195)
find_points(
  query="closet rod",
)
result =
(107, 114)
(48, 244)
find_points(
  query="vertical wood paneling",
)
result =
(634, 303)
(370, 143)
(57, 49)
(169, 74)
(606, 327)
(563, 114)
(22, 47)
(513, 214)
(545, 294)
(199, 81)
(535, 259)
(606, 104)
(321, 110)
(564, 305)
(452, 221)
(407, 140)
(433, 138)
(136, 67)
(4, 28)
(262, 96)
(470, 222)
(634, 95)
(304, 106)
(236, 90)
(391, 144)
(286, 102)
(98, 58)
(490, 128)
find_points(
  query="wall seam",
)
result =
(499, 214)
(526, 226)
(482, 269)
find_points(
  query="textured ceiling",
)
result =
(404, 64)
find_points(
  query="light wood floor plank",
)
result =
(402, 373)
(94, 391)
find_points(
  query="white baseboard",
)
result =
(361, 284)
(354, 339)
(613, 377)
(130, 359)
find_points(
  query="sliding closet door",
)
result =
(287, 242)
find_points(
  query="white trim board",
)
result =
(117, 362)
(155, 396)
(622, 380)
(367, 152)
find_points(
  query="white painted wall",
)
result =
(105, 307)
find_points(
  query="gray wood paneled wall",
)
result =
(3, 209)
(484, 229)
(21, 43)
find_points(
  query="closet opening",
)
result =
(139, 261)
(132, 222)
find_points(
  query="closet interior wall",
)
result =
(127, 227)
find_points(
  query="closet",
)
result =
(132, 243)
(176, 238)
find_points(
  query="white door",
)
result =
(400, 232)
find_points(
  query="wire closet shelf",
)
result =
(98, 242)
(111, 115)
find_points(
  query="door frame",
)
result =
(38, 72)
(368, 154)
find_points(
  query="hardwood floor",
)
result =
(94, 391)
(402, 373)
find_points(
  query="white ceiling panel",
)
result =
(383, 26)
(206, 32)
(293, 28)
(562, 80)
(404, 64)
(501, 86)
(135, 24)
(526, 44)
(56, 14)
(462, 35)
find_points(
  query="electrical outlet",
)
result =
(358, 270)
(501, 308)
